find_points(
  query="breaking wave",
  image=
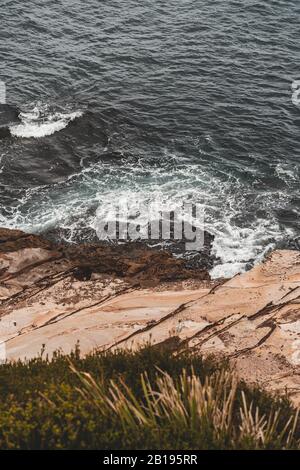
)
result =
(212, 87)
(241, 237)
(41, 122)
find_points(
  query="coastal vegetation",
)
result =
(149, 399)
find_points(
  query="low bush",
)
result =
(149, 399)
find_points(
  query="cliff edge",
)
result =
(106, 297)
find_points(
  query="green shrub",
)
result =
(149, 399)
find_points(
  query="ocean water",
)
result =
(154, 101)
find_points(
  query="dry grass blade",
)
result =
(188, 404)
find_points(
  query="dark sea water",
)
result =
(164, 100)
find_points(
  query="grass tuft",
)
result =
(143, 400)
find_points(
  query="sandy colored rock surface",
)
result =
(51, 299)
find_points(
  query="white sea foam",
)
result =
(287, 173)
(236, 247)
(240, 236)
(37, 123)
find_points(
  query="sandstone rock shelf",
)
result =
(108, 297)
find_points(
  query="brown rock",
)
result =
(125, 296)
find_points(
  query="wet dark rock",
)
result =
(137, 262)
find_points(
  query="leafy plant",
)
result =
(149, 399)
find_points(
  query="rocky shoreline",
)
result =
(53, 296)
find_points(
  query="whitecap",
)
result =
(36, 123)
(230, 207)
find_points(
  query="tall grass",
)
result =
(138, 400)
(193, 406)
